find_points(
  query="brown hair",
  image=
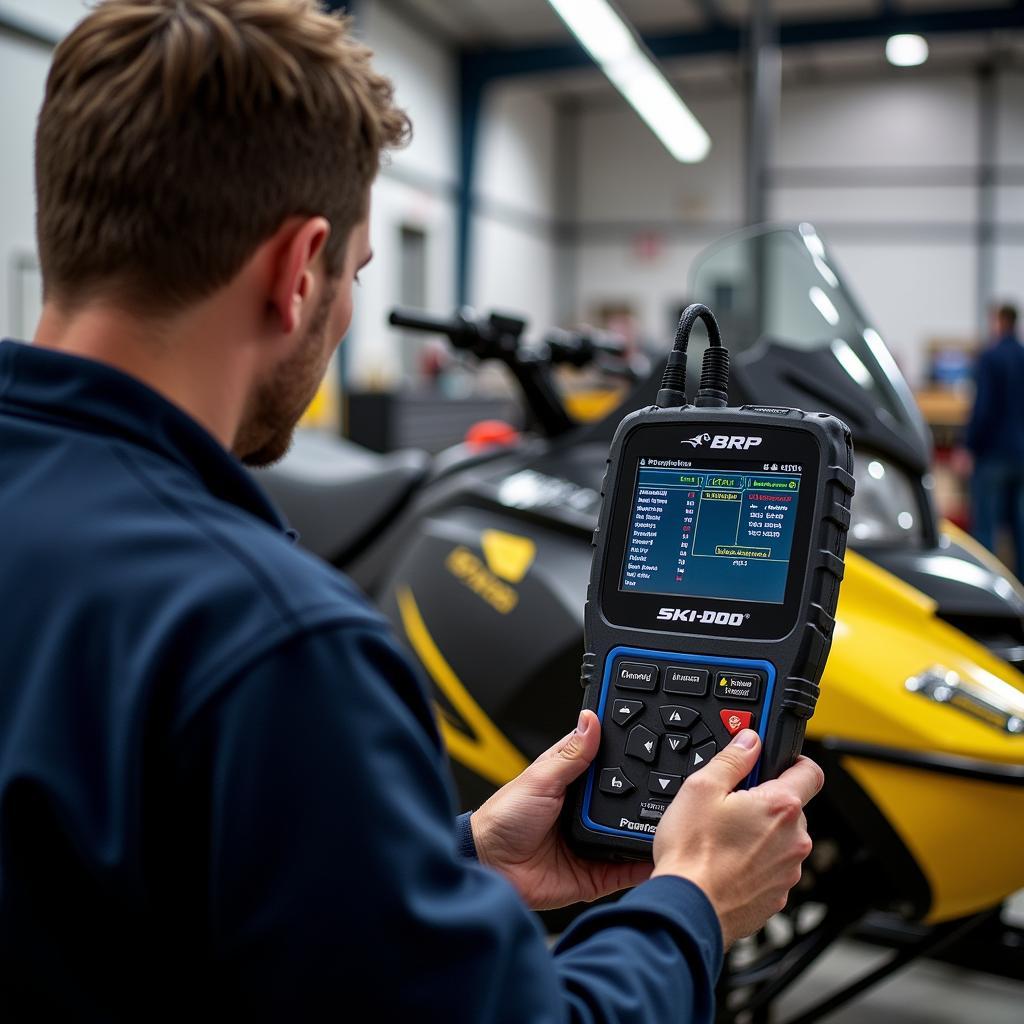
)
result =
(177, 135)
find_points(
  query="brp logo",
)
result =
(697, 440)
(733, 441)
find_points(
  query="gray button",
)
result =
(691, 681)
(636, 675)
(736, 685)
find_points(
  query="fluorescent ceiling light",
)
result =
(609, 40)
(906, 51)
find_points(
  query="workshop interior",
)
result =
(802, 526)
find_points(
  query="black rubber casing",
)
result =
(797, 651)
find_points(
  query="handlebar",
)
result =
(578, 348)
(417, 321)
(497, 337)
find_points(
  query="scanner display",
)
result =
(697, 529)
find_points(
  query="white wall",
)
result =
(416, 188)
(909, 250)
(23, 68)
(22, 79)
(887, 170)
(513, 265)
(512, 231)
(630, 188)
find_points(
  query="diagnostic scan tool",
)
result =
(717, 563)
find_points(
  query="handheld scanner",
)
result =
(716, 570)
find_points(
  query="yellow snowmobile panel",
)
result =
(967, 834)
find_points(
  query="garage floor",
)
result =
(923, 993)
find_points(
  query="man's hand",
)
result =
(517, 831)
(745, 848)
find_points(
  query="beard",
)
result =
(265, 434)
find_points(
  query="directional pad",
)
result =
(675, 716)
(623, 710)
(676, 742)
(642, 743)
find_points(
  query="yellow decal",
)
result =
(486, 751)
(508, 556)
(464, 565)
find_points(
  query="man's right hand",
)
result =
(744, 849)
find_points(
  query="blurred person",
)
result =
(995, 439)
(222, 789)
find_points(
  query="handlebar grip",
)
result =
(580, 347)
(419, 321)
(609, 346)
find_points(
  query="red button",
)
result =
(735, 720)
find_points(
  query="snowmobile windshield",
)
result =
(798, 337)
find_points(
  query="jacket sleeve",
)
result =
(333, 870)
(464, 841)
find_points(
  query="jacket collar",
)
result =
(90, 396)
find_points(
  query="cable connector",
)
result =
(714, 381)
(673, 382)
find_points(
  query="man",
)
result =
(995, 439)
(221, 786)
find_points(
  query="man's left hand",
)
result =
(517, 831)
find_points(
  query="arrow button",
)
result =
(677, 742)
(675, 716)
(624, 710)
(700, 756)
(664, 784)
(642, 743)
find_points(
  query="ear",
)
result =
(298, 250)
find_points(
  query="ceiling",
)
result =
(477, 24)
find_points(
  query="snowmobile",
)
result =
(480, 557)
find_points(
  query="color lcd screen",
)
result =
(713, 532)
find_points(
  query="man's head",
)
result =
(1005, 320)
(187, 145)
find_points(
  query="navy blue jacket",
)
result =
(221, 786)
(995, 431)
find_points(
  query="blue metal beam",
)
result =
(472, 83)
(507, 62)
